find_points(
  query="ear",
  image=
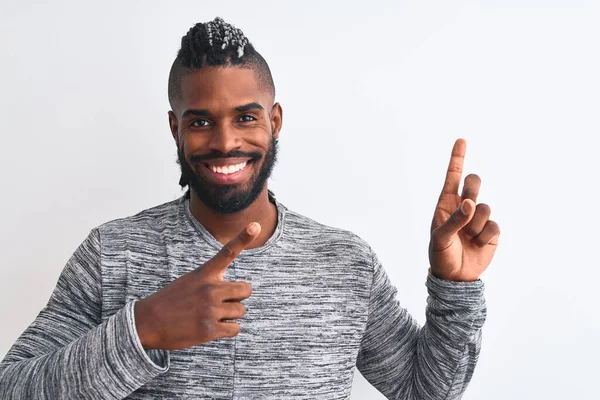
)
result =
(276, 119)
(173, 124)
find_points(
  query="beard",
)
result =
(228, 199)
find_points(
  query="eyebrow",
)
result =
(206, 113)
(248, 107)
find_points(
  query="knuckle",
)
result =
(471, 231)
(246, 289)
(212, 311)
(480, 242)
(213, 295)
(207, 328)
(456, 216)
(492, 225)
(209, 291)
(235, 329)
(484, 208)
(240, 289)
(227, 251)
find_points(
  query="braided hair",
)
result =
(216, 43)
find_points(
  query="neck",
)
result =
(224, 227)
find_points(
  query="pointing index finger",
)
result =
(455, 167)
(217, 265)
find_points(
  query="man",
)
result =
(226, 293)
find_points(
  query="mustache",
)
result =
(197, 158)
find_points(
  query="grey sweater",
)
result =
(321, 305)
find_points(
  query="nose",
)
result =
(224, 138)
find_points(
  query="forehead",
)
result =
(222, 88)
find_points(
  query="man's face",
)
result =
(225, 128)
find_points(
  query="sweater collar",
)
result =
(184, 202)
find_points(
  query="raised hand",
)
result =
(193, 309)
(462, 244)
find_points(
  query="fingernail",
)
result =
(463, 208)
(253, 228)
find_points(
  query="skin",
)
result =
(196, 307)
(199, 306)
(462, 245)
(220, 91)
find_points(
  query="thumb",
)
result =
(458, 219)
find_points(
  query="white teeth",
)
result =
(228, 169)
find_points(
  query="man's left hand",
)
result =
(462, 245)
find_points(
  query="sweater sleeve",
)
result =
(68, 352)
(405, 361)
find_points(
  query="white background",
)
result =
(374, 95)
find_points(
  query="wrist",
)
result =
(452, 278)
(141, 313)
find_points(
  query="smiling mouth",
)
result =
(227, 173)
(227, 169)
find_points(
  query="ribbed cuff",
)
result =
(456, 294)
(158, 358)
(131, 362)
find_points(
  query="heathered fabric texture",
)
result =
(321, 305)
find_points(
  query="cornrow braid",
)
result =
(216, 43)
(227, 34)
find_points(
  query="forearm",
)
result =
(107, 362)
(449, 343)
(406, 361)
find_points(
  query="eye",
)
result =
(199, 123)
(247, 118)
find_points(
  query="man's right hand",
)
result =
(191, 310)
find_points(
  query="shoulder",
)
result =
(154, 219)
